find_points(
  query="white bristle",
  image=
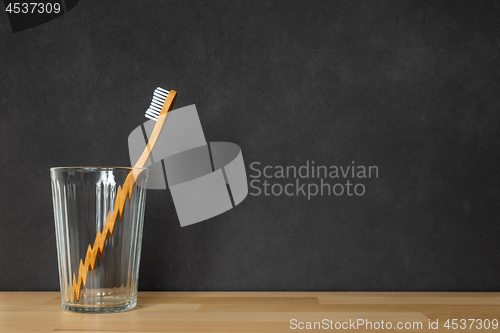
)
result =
(158, 103)
(159, 97)
(160, 93)
(153, 111)
(152, 114)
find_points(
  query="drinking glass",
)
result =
(99, 215)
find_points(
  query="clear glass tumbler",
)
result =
(99, 215)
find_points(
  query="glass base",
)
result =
(100, 308)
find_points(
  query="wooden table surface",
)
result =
(257, 312)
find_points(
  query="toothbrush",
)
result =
(163, 102)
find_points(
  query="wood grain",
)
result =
(245, 311)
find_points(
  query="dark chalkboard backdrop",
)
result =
(412, 87)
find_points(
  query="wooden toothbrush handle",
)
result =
(167, 106)
(93, 252)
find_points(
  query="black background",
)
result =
(410, 86)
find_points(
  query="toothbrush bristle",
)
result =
(159, 97)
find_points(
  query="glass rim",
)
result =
(97, 168)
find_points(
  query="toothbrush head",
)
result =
(159, 98)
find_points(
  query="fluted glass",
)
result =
(98, 254)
